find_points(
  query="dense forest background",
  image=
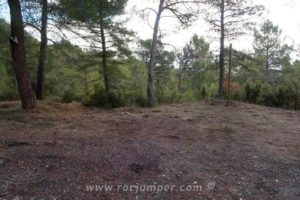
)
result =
(114, 74)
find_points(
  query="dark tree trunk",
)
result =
(297, 96)
(179, 86)
(222, 52)
(153, 55)
(107, 80)
(229, 76)
(181, 76)
(18, 56)
(86, 84)
(40, 85)
(267, 66)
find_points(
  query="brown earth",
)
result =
(237, 152)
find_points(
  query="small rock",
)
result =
(178, 175)
(2, 162)
(187, 119)
(126, 113)
(136, 168)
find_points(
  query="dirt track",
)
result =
(237, 152)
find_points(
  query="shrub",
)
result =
(97, 97)
(69, 96)
(281, 97)
(203, 93)
(252, 91)
(267, 96)
(140, 101)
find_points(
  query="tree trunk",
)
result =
(40, 85)
(222, 52)
(180, 77)
(267, 65)
(107, 80)
(86, 84)
(296, 96)
(229, 75)
(296, 102)
(153, 55)
(18, 56)
(179, 86)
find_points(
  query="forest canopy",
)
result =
(113, 67)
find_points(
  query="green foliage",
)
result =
(253, 91)
(163, 71)
(69, 96)
(203, 92)
(281, 96)
(92, 10)
(90, 14)
(187, 74)
(97, 97)
(129, 89)
(267, 96)
(196, 70)
(269, 46)
(6, 81)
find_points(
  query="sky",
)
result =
(284, 13)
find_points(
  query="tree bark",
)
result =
(107, 80)
(229, 75)
(181, 75)
(179, 86)
(40, 85)
(222, 52)
(153, 55)
(18, 56)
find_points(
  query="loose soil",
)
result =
(238, 152)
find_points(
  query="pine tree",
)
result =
(18, 56)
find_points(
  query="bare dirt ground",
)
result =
(237, 152)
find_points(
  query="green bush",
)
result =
(140, 101)
(237, 95)
(9, 95)
(252, 91)
(69, 96)
(97, 97)
(267, 96)
(281, 96)
(203, 93)
(118, 98)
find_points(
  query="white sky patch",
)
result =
(284, 13)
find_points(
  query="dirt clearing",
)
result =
(69, 151)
